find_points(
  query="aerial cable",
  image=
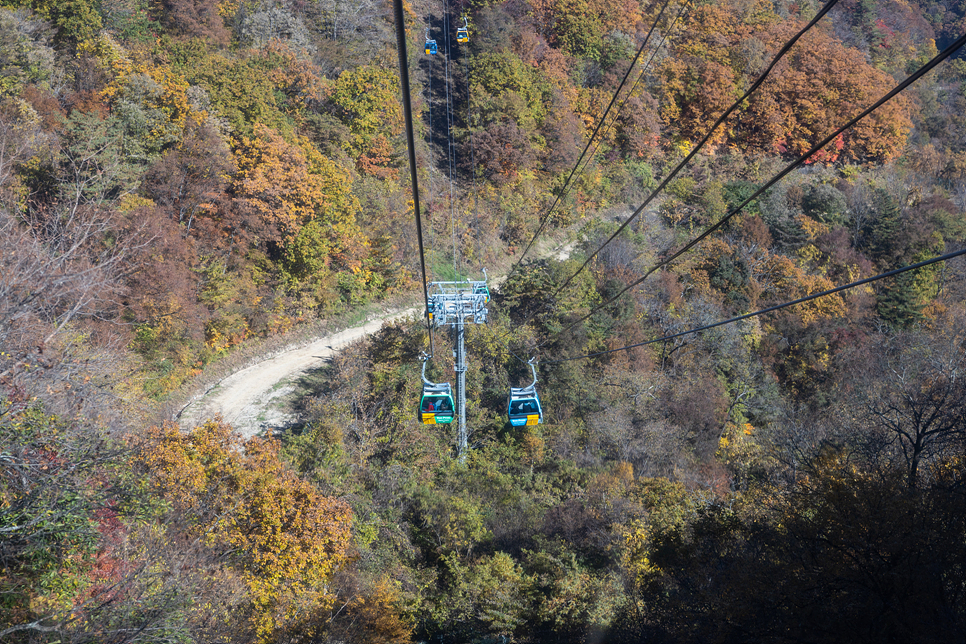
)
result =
(594, 134)
(469, 127)
(566, 189)
(506, 345)
(781, 175)
(450, 151)
(620, 107)
(721, 119)
(800, 300)
(411, 148)
(429, 102)
(781, 53)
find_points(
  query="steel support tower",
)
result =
(456, 304)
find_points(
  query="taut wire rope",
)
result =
(593, 135)
(411, 148)
(831, 291)
(754, 86)
(721, 119)
(781, 175)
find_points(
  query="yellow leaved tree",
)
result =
(367, 100)
(300, 198)
(283, 538)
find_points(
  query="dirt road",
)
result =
(252, 400)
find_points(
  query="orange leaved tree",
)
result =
(288, 185)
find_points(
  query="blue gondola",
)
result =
(524, 407)
(431, 47)
(463, 33)
(436, 404)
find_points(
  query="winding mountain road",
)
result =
(252, 399)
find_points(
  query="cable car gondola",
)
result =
(524, 408)
(436, 404)
(463, 33)
(431, 47)
(480, 288)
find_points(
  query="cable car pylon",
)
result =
(456, 304)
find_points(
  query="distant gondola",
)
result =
(436, 404)
(482, 289)
(431, 47)
(524, 407)
(463, 33)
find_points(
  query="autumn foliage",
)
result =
(284, 539)
(821, 83)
